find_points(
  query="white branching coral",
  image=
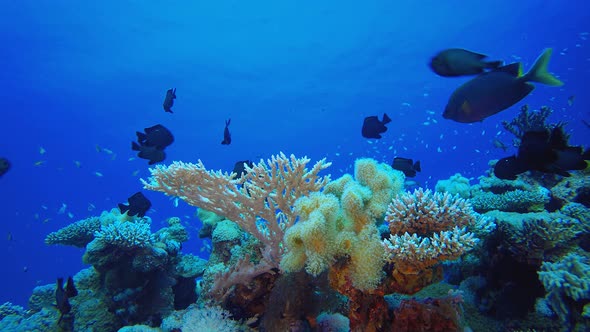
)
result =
(260, 202)
(429, 228)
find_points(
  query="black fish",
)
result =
(240, 168)
(4, 166)
(407, 166)
(169, 100)
(372, 127)
(458, 62)
(138, 205)
(71, 290)
(157, 136)
(497, 90)
(545, 151)
(151, 153)
(226, 133)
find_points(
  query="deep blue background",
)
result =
(294, 76)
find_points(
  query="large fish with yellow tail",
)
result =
(497, 90)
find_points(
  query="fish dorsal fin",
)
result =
(478, 55)
(514, 69)
(559, 139)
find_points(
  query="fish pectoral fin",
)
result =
(466, 108)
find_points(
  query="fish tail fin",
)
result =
(493, 64)
(141, 136)
(123, 208)
(386, 119)
(135, 146)
(417, 166)
(539, 73)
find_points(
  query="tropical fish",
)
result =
(240, 167)
(169, 100)
(570, 100)
(408, 166)
(4, 166)
(226, 133)
(62, 296)
(157, 136)
(151, 153)
(545, 151)
(499, 144)
(497, 90)
(62, 209)
(152, 143)
(373, 128)
(459, 62)
(138, 205)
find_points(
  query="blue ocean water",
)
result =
(78, 79)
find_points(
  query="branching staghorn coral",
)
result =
(429, 228)
(260, 202)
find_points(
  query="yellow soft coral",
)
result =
(340, 224)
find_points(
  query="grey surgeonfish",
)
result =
(459, 62)
(497, 90)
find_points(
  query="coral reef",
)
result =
(292, 250)
(428, 228)
(143, 275)
(340, 223)
(534, 237)
(520, 195)
(455, 185)
(80, 233)
(568, 285)
(201, 319)
(528, 120)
